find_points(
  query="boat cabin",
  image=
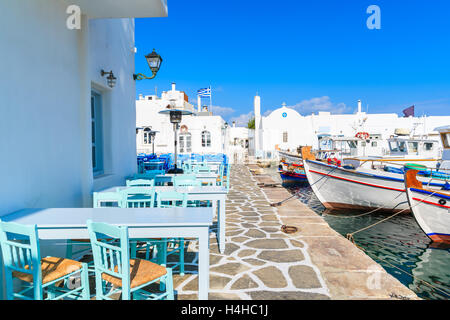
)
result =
(413, 147)
(444, 133)
(342, 147)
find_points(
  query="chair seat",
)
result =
(141, 272)
(52, 268)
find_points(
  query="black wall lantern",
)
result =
(154, 61)
(111, 78)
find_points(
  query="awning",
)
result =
(102, 9)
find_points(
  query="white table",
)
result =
(217, 195)
(70, 223)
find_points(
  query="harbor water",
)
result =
(398, 245)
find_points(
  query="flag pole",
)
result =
(210, 99)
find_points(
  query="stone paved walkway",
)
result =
(260, 261)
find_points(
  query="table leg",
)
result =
(203, 264)
(221, 225)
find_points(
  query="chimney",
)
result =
(359, 106)
(141, 96)
(173, 86)
(234, 124)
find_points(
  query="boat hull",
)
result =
(339, 188)
(293, 176)
(432, 213)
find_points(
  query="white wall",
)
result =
(45, 83)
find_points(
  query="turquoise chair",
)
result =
(22, 260)
(141, 183)
(138, 197)
(115, 271)
(186, 182)
(202, 168)
(224, 177)
(171, 199)
(100, 200)
(108, 199)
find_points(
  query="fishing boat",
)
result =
(342, 186)
(431, 207)
(291, 168)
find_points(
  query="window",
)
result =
(147, 136)
(413, 146)
(402, 146)
(374, 143)
(97, 134)
(206, 139)
(285, 137)
(428, 146)
(393, 146)
(445, 139)
(363, 143)
(185, 143)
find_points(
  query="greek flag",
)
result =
(205, 92)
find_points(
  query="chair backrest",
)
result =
(153, 165)
(202, 168)
(138, 197)
(170, 199)
(108, 200)
(186, 182)
(141, 183)
(20, 250)
(110, 257)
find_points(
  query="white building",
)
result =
(286, 129)
(64, 132)
(201, 133)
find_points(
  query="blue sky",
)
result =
(313, 55)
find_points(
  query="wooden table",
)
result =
(70, 223)
(217, 195)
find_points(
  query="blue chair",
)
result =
(114, 269)
(22, 260)
(171, 199)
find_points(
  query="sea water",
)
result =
(398, 244)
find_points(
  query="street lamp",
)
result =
(152, 138)
(175, 118)
(154, 61)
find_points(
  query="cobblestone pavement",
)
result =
(260, 261)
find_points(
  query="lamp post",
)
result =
(175, 118)
(154, 61)
(152, 135)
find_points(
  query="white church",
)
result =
(285, 129)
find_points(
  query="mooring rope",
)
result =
(350, 235)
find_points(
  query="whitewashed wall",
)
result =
(47, 72)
